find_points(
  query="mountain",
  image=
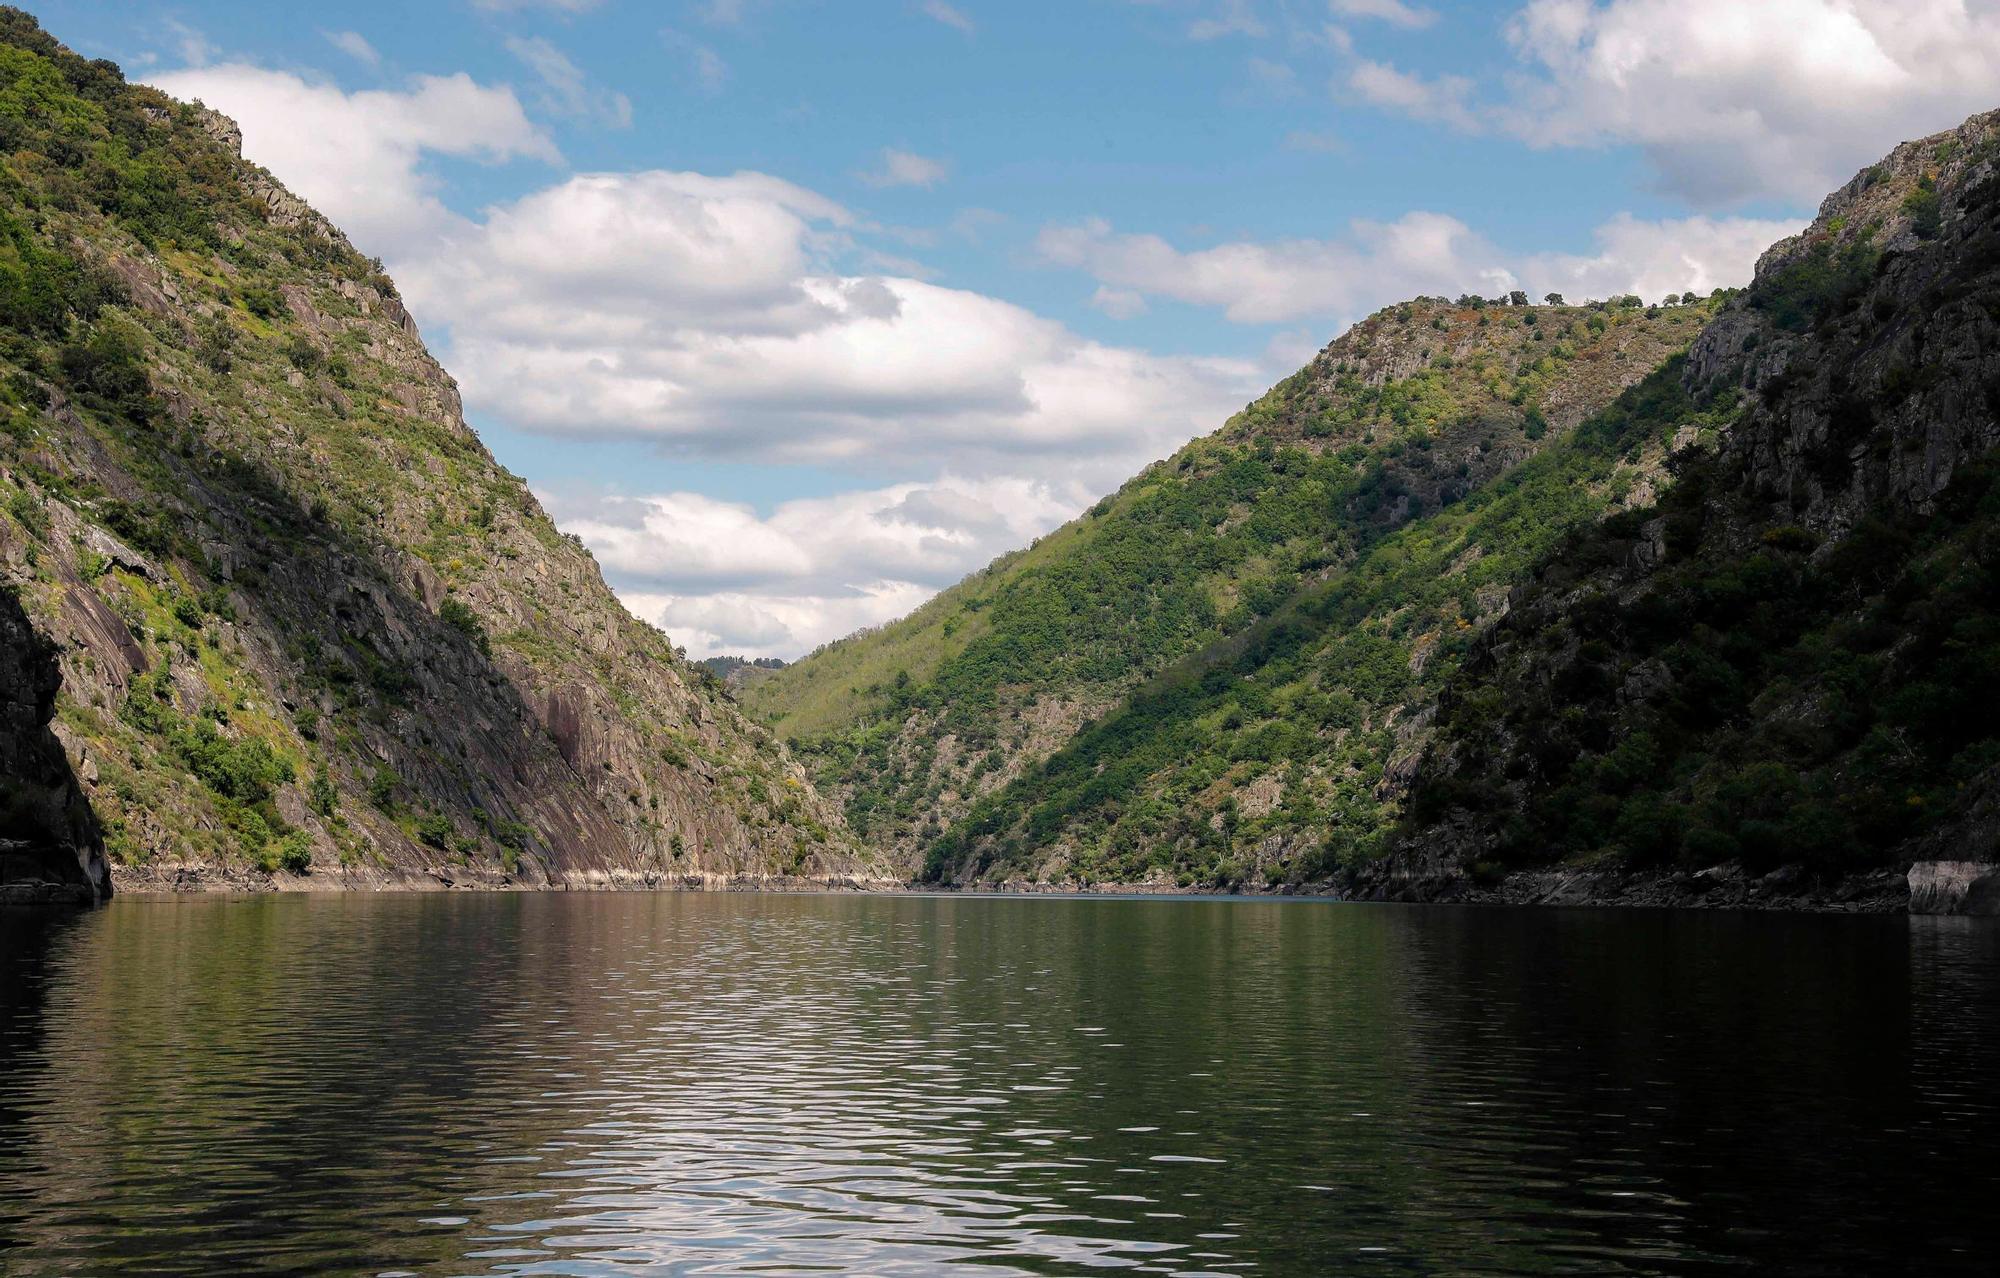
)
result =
(1083, 709)
(738, 673)
(1786, 669)
(306, 629)
(1509, 602)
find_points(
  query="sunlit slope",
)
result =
(1407, 413)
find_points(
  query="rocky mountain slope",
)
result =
(948, 735)
(309, 631)
(1715, 623)
(1788, 666)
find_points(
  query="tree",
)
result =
(1517, 298)
(1553, 299)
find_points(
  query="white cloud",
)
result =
(1394, 12)
(1263, 283)
(1118, 303)
(1655, 258)
(721, 578)
(354, 45)
(730, 623)
(709, 345)
(565, 90)
(1382, 262)
(1442, 99)
(356, 156)
(906, 168)
(1731, 100)
(950, 15)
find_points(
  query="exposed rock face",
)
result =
(1955, 887)
(1787, 661)
(50, 847)
(311, 633)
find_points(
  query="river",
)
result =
(605, 1084)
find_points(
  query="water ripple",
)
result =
(615, 1085)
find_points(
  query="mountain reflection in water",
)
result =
(615, 1084)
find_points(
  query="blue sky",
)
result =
(798, 311)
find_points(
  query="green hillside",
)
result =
(1412, 412)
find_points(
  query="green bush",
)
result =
(434, 829)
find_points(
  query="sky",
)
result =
(798, 312)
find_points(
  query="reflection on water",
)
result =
(729, 1084)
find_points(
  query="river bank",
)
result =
(1927, 887)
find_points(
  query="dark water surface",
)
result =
(610, 1084)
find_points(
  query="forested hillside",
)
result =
(306, 626)
(1201, 559)
(1793, 658)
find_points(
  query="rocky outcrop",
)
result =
(50, 846)
(1955, 887)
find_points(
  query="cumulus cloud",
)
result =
(565, 90)
(1277, 281)
(722, 578)
(696, 311)
(1655, 258)
(905, 168)
(1729, 101)
(1377, 263)
(357, 156)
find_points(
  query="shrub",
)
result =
(457, 614)
(434, 830)
(322, 795)
(294, 853)
(382, 790)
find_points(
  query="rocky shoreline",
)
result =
(1927, 887)
(186, 879)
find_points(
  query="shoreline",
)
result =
(1927, 887)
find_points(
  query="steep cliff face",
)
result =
(1788, 664)
(50, 847)
(310, 631)
(1086, 708)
